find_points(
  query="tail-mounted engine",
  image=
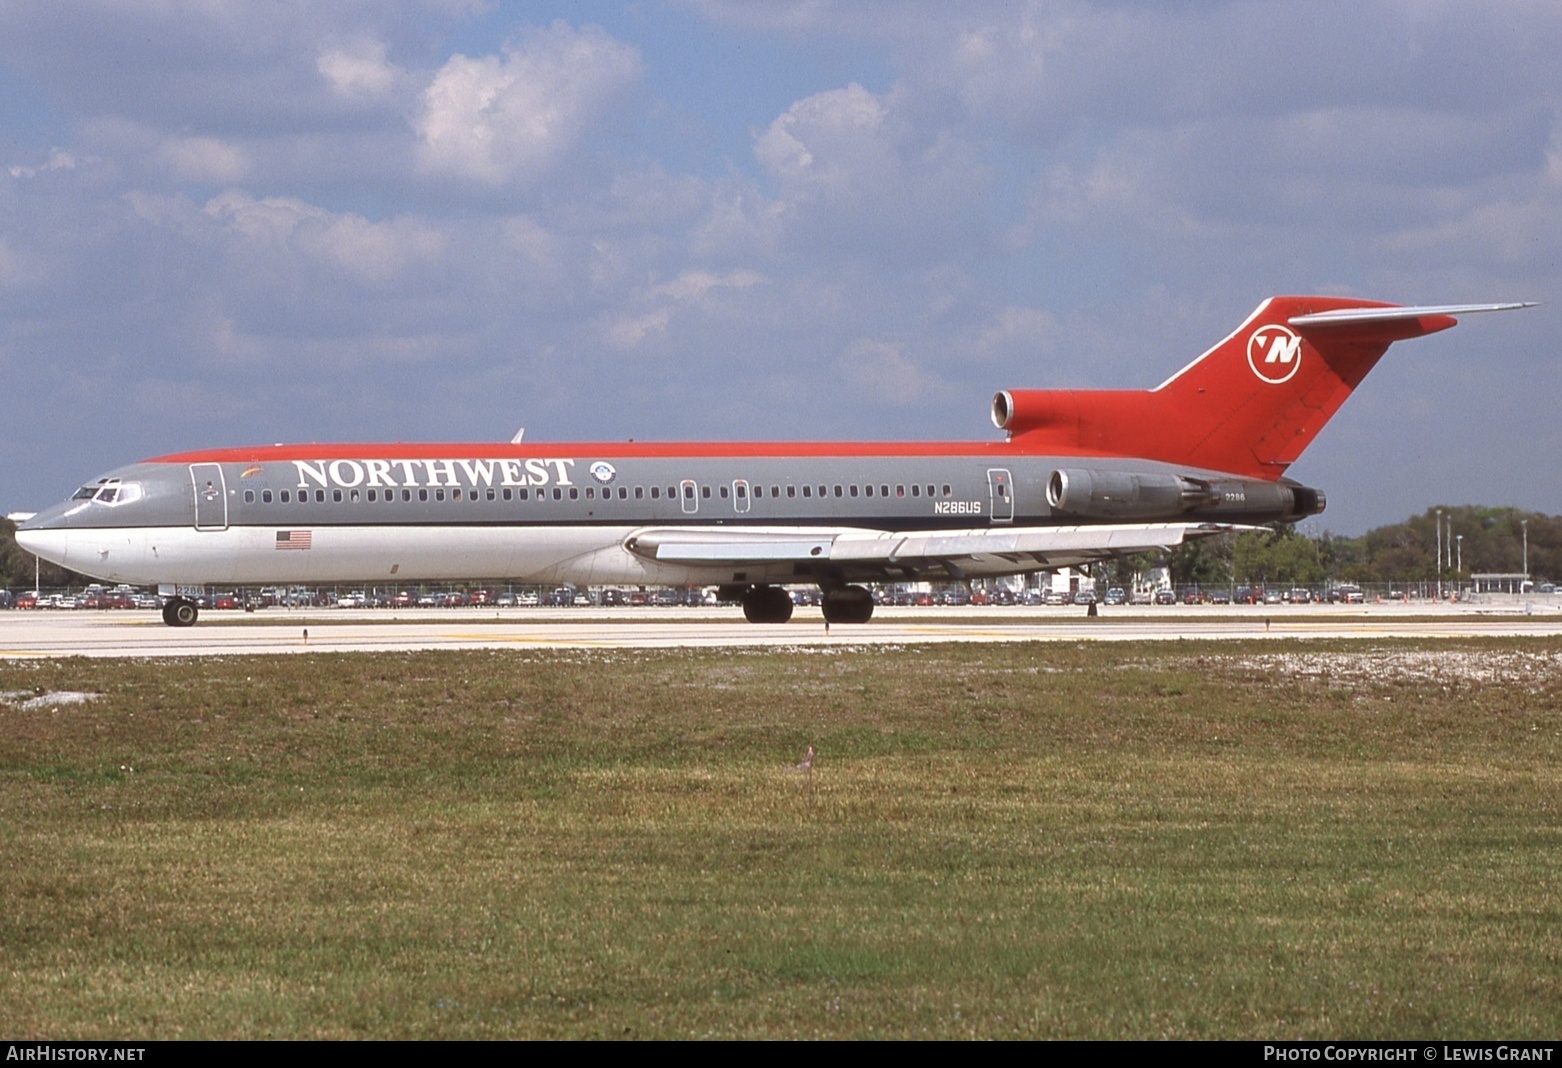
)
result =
(1098, 494)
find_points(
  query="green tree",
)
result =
(1279, 556)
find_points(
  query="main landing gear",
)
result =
(847, 604)
(178, 612)
(772, 604)
(767, 604)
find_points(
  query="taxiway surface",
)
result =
(142, 634)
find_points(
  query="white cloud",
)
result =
(204, 159)
(511, 117)
(692, 285)
(883, 371)
(357, 70)
(59, 160)
(374, 252)
(691, 288)
(859, 171)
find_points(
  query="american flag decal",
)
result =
(293, 539)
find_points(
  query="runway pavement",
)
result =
(142, 634)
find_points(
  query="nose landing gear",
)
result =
(178, 612)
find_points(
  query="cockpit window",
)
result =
(86, 493)
(113, 492)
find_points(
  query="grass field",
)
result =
(1281, 840)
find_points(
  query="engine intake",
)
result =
(1125, 494)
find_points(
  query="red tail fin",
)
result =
(1248, 406)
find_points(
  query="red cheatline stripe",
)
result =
(612, 450)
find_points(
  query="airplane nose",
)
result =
(47, 545)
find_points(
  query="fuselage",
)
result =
(572, 512)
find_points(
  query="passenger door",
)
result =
(211, 496)
(1000, 494)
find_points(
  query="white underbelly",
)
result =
(259, 555)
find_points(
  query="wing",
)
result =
(856, 555)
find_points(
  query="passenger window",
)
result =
(723, 492)
(883, 491)
(591, 493)
(867, 490)
(336, 495)
(705, 492)
(286, 496)
(791, 491)
(558, 494)
(623, 493)
(854, 491)
(808, 491)
(574, 494)
(373, 496)
(947, 491)
(491, 493)
(916, 491)
(838, 491)
(352, 495)
(249, 496)
(656, 493)
(900, 491)
(319, 496)
(422, 494)
(639, 493)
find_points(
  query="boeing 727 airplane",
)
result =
(1083, 475)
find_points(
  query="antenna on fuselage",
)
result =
(519, 434)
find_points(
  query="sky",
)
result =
(227, 223)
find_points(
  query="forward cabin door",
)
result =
(211, 496)
(1000, 493)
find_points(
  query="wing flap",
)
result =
(867, 552)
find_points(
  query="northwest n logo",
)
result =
(1274, 352)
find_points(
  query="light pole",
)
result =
(1459, 568)
(1439, 554)
(1524, 523)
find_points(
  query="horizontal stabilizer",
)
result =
(1357, 316)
